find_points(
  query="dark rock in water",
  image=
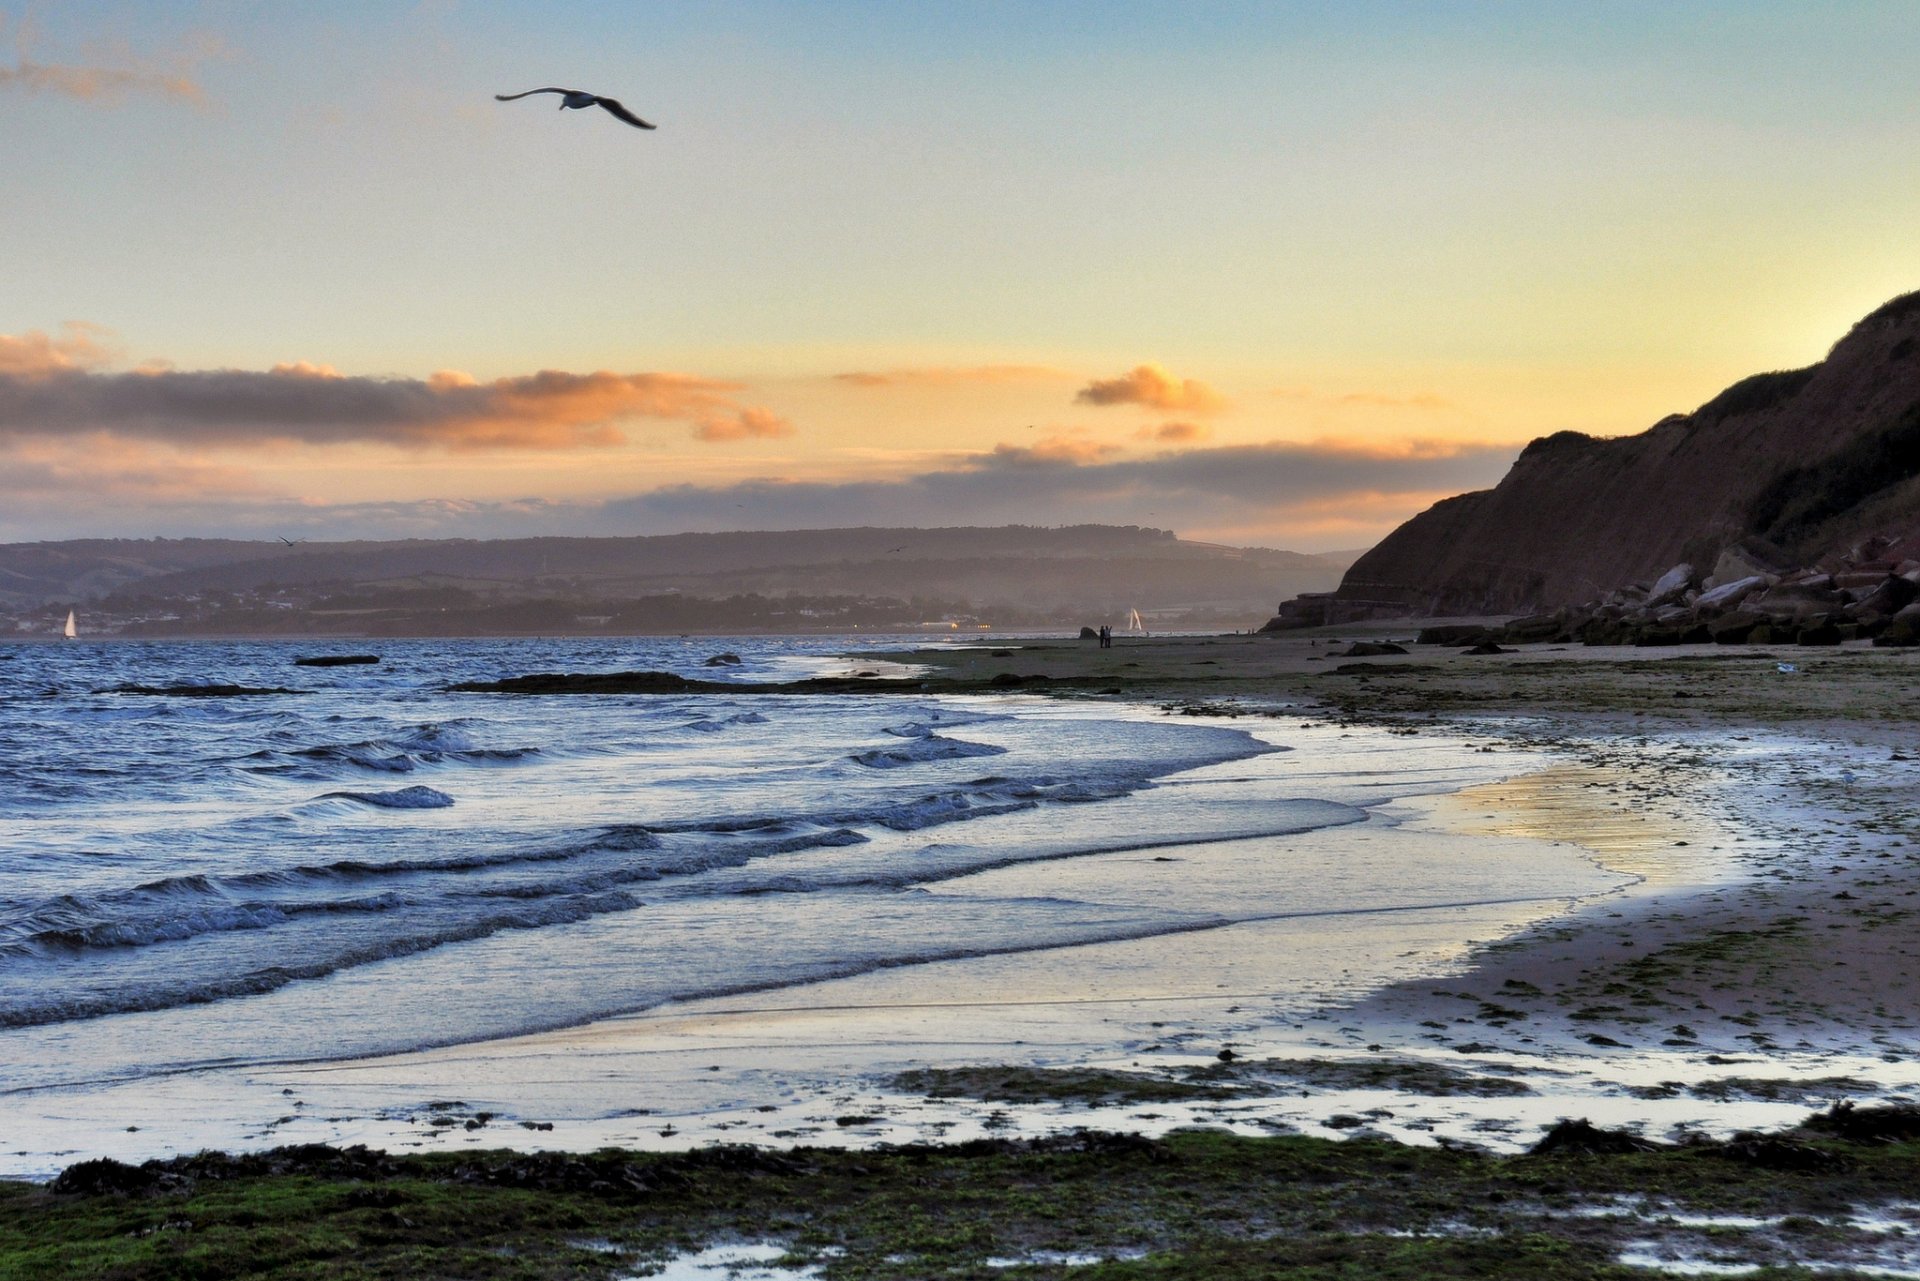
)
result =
(587, 683)
(1001, 653)
(336, 660)
(1486, 647)
(197, 691)
(1586, 1139)
(105, 1175)
(1008, 680)
(1887, 1123)
(1771, 1152)
(723, 660)
(1371, 649)
(1088, 633)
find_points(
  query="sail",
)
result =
(69, 631)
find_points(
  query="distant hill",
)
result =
(1053, 575)
(1806, 462)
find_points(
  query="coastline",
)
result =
(1703, 999)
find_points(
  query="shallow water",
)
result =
(375, 866)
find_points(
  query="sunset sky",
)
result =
(1265, 273)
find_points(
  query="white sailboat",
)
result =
(69, 631)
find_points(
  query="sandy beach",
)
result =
(1745, 957)
(1752, 953)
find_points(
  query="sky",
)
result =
(1275, 274)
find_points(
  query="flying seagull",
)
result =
(581, 98)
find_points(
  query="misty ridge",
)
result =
(799, 580)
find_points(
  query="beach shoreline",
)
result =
(1747, 969)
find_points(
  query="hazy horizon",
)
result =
(1275, 276)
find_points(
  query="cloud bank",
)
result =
(1306, 496)
(51, 387)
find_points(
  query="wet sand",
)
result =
(1754, 959)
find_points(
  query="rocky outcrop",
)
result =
(1872, 591)
(1782, 469)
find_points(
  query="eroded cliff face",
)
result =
(1809, 460)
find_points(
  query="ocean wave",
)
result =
(175, 926)
(923, 748)
(196, 991)
(407, 798)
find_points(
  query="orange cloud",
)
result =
(749, 422)
(1051, 451)
(116, 74)
(1173, 433)
(1152, 386)
(102, 468)
(48, 388)
(35, 353)
(1402, 449)
(946, 376)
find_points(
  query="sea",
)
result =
(372, 864)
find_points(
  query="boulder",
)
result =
(1088, 633)
(1371, 649)
(1748, 558)
(1729, 595)
(1734, 628)
(1607, 631)
(1822, 632)
(1858, 582)
(1671, 586)
(1534, 627)
(1454, 634)
(1889, 596)
(1900, 633)
(1486, 647)
(1793, 600)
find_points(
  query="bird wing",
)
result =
(509, 97)
(622, 113)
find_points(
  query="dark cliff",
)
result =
(1809, 460)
